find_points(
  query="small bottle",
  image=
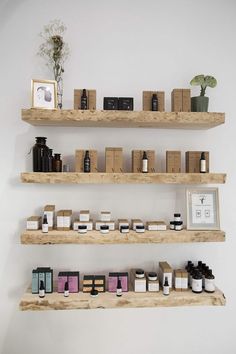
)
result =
(41, 289)
(86, 162)
(203, 163)
(57, 163)
(209, 282)
(197, 282)
(84, 100)
(119, 288)
(38, 149)
(154, 102)
(45, 224)
(66, 289)
(145, 163)
(50, 160)
(166, 287)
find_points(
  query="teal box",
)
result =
(49, 281)
(35, 282)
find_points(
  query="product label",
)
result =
(144, 165)
(197, 285)
(166, 290)
(153, 286)
(210, 284)
(203, 166)
(45, 228)
(32, 225)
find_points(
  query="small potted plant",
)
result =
(200, 103)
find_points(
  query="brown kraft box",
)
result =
(114, 160)
(186, 100)
(79, 160)
(192, 161)
(147, 100)
(176, 100)
(173, 161)
(91, 94)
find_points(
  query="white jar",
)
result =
(140, 229)
(82, 229)
(104, 229)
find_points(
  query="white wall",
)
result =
(120, 48)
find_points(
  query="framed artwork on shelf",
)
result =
(44, 94)
(203, 209)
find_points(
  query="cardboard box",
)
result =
(77, 223)
(176, 100)
(137, 156)
(122, 222)
(84, 215)
(192, 161)
(147, 100)
(98, 281)
(186, 100)
(173, 161)
(60, 220)
(79, 160)
(114, 160)
(178, 279)
(135, 222)
(139, 285)
(184, 280)
(105, 216)
(64, 220)
(156, 226)
(34, 223)
(49, 210)
(91, 94)
(165, 271)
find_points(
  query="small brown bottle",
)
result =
(57, 163)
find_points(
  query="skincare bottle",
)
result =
(86, 162)
(45, 224)
(84, 100)
(145, 163)
(119, 288)
(41, 289)
(197, 282)
(57, 163)
(166, 287)
(66, 289)
(209, 282)
(203, 163)
(154, 102)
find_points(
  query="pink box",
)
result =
(73, 281)
(113, 279)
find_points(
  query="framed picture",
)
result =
(203, 209)
(44, 94)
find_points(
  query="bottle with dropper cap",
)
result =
(166, 287)
(41, 289)
(66, 289)
(119, 288)
(45, 224)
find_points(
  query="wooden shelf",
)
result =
(123, 119)
(55, 301)
(115, 237)
(122, 178)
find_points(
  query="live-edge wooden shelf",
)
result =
(115, 237)
(122, 119)
(122, 178)
(55, 301)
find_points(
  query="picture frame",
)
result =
(44, 94)
(203, 209)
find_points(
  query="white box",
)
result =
(105, 216)
(84, 215)
(156, 226)
(67, 221)
(184, 280)
(153, 286)
(165, 271)
(77, 223)
(49, 210)
(136, 222)
(33, 223)
(60, 221)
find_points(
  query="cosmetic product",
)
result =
(172, 225)
(144, 163)
(66, 289)
(209, 282)
(177, 217)
(180, 100)
(113, 279)
(184, 280)
(50, 160)
(123, 222)
(178, 225)
(152, 282)
(202, 163)
(178, 279)
(82, 229)
(147, 100)
(192, 159)
(49, 210)
(109, 224)
(33, 223)
(64, 220)
(135, 223)
(197, 282)
(79, 160)
(66, 168)
(138, 280)
(84, 215)
(173, 161)
(45, 224)
(45, 161)
(156, 225)
(86, 162)
(45, 274)
(72, 278)
(99, 282)
(140, 228)
(91, 99)
(126, 103)
(124, 229)
(105, 216)
(39, 149)
(137, 156)
(186, 100)
(113, 160)
(57, 163)
(110, 103)
(104, 229)
(84, 100)
(41, 289)
(88, 224)
(119, 288)
(35, 281)
(154, 102)
(166, 287)
(165, 270)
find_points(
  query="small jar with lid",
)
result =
(82, 229)
(197, 282)
(104, 229)
(177, 217)
(209, 282)
(124, 229)
(140, 228)
(178, 225)
(139, 273)
(172, 225)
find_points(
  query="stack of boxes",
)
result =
(105, 219)
(64, 220)
(181, 280)
(73, 281)
(84, 219)
(44, 274)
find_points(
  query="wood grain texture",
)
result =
(55, 301)
(123, 178)
(123, 119)
(115, 237)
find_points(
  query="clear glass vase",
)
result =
(59, 91)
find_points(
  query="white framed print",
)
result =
(203, 209)
(44, 94)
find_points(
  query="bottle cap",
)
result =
(152, 276)
(177, 215)
(82, 227)
(104, 227)
(140, 227)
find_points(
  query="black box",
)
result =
(126, 103)
(110, 103)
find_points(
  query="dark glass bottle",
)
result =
(86, 162)
(50, 160)
(45, 161)
(119, 288)
(41, 289)
(57, 163)
(145, 162)
(209, 282)
(154, 102)
(39, 149)
(84, 100)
